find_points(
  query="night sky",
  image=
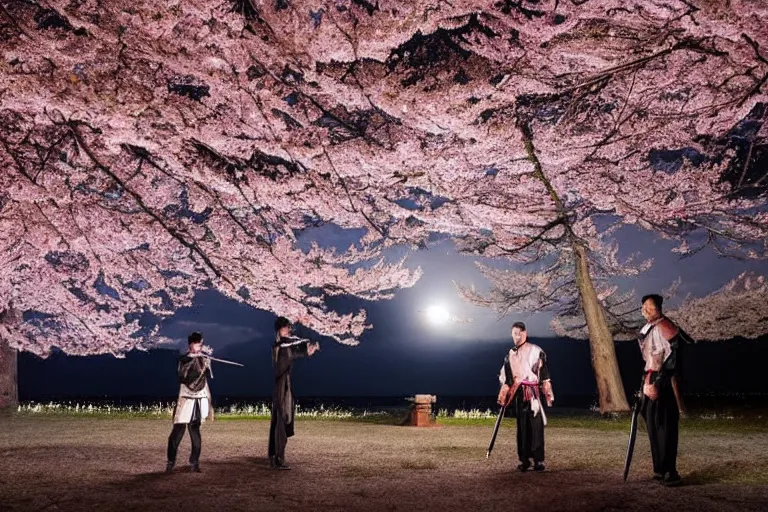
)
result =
(404, 353)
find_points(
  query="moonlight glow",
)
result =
(438, 315)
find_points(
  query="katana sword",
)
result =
(632, 435)
(633, 425)
(511, 394)
(224, 361)
(217, 359)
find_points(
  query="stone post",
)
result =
(421, 410)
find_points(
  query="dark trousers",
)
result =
(278, 434)
(530, 432)
(662, 419)
(194, 435)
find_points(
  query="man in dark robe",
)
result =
(526, 363)
(194, 402)
(284, 351)
(660, 345)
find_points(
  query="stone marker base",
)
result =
(421, 411)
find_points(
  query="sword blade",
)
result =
(224, 361)
(500, 417)
(632, 438)
(495, 430)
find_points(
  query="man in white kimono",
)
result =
(194, 403)
(526, 363)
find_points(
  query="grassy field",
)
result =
(95, 461)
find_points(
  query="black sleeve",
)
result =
(509, 380)
(191, 369)
(298, 350)
(544, 369)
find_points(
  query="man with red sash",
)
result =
(526, 363)
(660, 344)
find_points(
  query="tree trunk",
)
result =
(609, 386)
(9, 387)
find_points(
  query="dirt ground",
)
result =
(55, 463)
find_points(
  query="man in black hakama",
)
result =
(284, 351)
(660, 344)
(526, 364)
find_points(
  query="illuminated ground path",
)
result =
(67, 463)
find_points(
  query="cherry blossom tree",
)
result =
(153, 150)
(734, 310)
(589, 117)
(737, 309)
(114, 213)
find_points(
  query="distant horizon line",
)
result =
(168, 348)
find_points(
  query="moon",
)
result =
(438, 315)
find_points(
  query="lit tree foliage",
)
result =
(184, 143)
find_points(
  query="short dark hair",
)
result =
(519, 325)
(657, 299)
(281, 322)
(195, 337)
